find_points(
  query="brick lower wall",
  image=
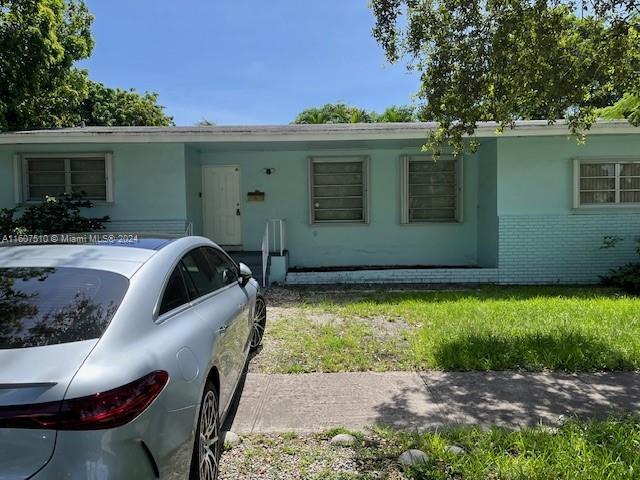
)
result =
(409, 275)
(563, 248)
(531, 249)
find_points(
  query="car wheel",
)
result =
(205, 463)
(259, 322)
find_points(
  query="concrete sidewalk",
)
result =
(313, 402)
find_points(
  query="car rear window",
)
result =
(48, 306)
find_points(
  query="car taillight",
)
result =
(109, 409)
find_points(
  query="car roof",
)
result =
(123, 255)
(125, 260)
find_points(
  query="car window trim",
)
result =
(164, 290)
(210, 295)
(236, 268)
(192, 301)
(160, 318)
(201, 247)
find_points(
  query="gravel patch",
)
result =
(290, 456)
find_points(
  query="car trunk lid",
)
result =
(31, 376)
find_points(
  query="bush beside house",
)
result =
(54, 215)
(626, 277)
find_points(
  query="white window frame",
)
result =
(617, 161)
(21, 178)
(364, 159)
(404, 189)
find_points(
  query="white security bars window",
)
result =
(430, 189)
(606, 183)
(338, 189)
(55, 175)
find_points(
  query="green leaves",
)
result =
(342, 113)
(509, 60)
(114, 106)
(627, 107)
(333, 113)
(40, 41)
(53, 215)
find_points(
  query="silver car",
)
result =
(120, 360)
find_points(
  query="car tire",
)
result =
(259, 323)
(207, 448)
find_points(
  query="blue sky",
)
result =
(245, 61)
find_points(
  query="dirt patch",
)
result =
(289, 457)
(294, 313)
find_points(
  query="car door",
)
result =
(218, 304)
(239, 329)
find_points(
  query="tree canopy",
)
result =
(343, 113)
(114, 106)
(627, 107)
(40, 86)
(506, 60)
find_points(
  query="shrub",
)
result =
(626, 277)
(54, 215)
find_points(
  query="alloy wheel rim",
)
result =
(209, 451)
(259, 321)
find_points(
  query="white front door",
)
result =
(221, 204)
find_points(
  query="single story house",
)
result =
(355, 203)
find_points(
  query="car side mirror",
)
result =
(245, 274)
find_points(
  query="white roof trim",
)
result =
(294, 133)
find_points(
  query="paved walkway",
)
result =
(313, 402)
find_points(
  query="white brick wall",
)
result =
(409, 275)
(563, 248)
(531, 249)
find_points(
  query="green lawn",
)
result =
(576, 450)
(491, 328)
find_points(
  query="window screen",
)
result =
(630, 182)
(608, 183)
(430, 189)
(338, 189)
(56, 176)
(597, 183)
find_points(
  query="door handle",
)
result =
(222, 330)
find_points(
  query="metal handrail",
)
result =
(278, 234)
(265, 254)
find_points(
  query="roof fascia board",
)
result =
(292, 134)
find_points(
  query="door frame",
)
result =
(233, 247)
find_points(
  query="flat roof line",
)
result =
(292, 133)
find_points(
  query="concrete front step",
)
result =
(251, 259)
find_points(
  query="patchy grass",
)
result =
(491, 328)
(576, 450)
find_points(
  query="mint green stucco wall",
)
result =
(487, 204)
(536, 173)
(193, 178)
(148, 180)
(384, 241)
(6, 178)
